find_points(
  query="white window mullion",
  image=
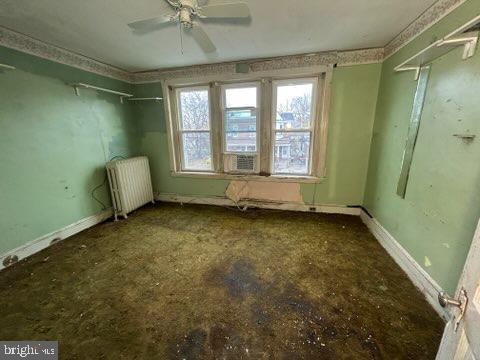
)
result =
(266, 139)
(216, 126)
(242, 126)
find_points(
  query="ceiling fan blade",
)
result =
(235, 10)
(202, 39)
(147, 25)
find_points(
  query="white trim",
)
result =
(290, 206)
(24, 43)
(223, 108)
(292, 65)
(45, 241)
(315, 113)
(425, 21)
(179, 124)
(29, 45)
(265, 99)
(251, 177)
(14, 40)
(420, 278)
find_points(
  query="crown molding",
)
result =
(17, 41)
(14, 40)
(340, 58)
(430, 17)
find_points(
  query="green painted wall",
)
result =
(53, 145)
(437, 218)
(354, 94)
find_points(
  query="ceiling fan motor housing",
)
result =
(187, 9)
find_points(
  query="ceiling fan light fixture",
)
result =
(185, 12)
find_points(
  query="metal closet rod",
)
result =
(145, 99)
(87, 86)
(7, 67)
(121, 94)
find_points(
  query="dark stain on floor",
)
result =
(200, 282)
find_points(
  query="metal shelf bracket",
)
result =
(460, 37)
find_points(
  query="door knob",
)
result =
(444, 300)
(462, 301)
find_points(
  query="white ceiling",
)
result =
(98, 29)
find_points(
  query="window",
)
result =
(194, 128)
(277, 122)
(239, 105)
(293, 125)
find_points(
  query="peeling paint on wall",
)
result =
(262, 190)
(427, 262)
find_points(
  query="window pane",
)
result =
(291, 153)
(240, 120)
(294, 103)
(194, 110)
(241, 142)
(241, 97)
(197, 154)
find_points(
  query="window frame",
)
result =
(265, 147)
(180, 131)
(223, 107)
(313, 120)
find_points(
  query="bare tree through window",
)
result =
(293, 114)
(195, 128)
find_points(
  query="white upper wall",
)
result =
(98, 29)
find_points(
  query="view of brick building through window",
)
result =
(293, 116)
(292, 128)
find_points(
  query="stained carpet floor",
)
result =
(200, 282)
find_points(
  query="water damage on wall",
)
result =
(264, 191)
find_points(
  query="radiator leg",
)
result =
(115, 216)
(153, 201)
(125, 216)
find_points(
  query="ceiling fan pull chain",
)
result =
(180, 28)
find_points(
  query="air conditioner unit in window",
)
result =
(241, 163)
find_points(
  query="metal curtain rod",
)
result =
(87, 86)
(7, 67)
(145, 99)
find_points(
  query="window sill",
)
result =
(250, 177)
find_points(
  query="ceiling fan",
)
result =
(185, 13)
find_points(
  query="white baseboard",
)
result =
(420, 278)
(223, 201)
(45, 241)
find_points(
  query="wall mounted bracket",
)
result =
(460, 37)
(466, 36)
(122, 95)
